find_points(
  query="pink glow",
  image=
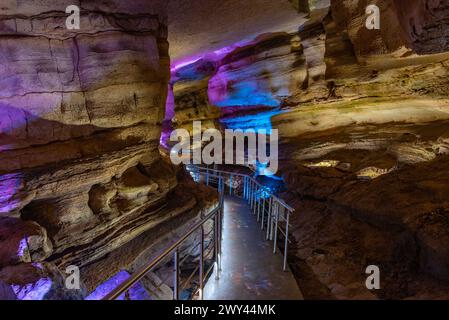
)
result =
(170, 104)
(215, 55)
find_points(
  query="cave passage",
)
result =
(250, 271)
(351, 98)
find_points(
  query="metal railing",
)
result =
(216, 215)
(273, 213)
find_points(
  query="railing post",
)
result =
(275, 213)
(250, 182)
(286, 240)
(255, 199)
(251, 192)
(221, 191)
(256, 209)
(201, 267)
(269, 217)
(207, 175)
(230, 185)
(220, 236)
(216, 248)
(273, 209)
(176, 275)
(276, 229)
(248, 193)
(263, 208)
(263, 214)
(244, 188)
(253, 195)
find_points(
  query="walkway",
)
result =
(250, 269)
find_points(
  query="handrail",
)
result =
(137, 276)
(252, 190)
(251, 178)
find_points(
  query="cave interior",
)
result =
(86, 116)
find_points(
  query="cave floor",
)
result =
(250, 270)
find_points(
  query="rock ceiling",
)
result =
(363, 118)
(202, 26)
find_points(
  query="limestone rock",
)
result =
(363, 120)
(22, 242)
(414, 23)
(39, 281)
(80, 122)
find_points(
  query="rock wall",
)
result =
(420, 25)
(354, 159)
(191, 99)
(80, 122)
(371, 76)
(363, 117)
(248, 84)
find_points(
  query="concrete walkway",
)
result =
(250, 270)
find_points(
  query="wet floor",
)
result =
(250, 270)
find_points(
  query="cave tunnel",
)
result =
(224, 150)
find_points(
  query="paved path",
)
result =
(250, 269)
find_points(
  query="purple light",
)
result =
(23, 246)
(170, 104)
(137, 292)
(33, 291)
(181, 64)
(9, 186)
(169, 114)
(38, 265)
(243, 85)
(213, 56)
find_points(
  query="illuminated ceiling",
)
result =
(200, 26)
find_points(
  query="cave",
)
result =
(224, 150)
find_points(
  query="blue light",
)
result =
(262, 170)
(247, 93)
(258, 121)
(137, 292)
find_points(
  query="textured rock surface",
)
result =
(80, 122)
(39, 281)
(365, 162)
(210, 25)
(191, 99)
(249, 84)
(393, 216)
(420, 25)
(363, 117)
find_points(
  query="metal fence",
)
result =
(273, 213)
(213, 249)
